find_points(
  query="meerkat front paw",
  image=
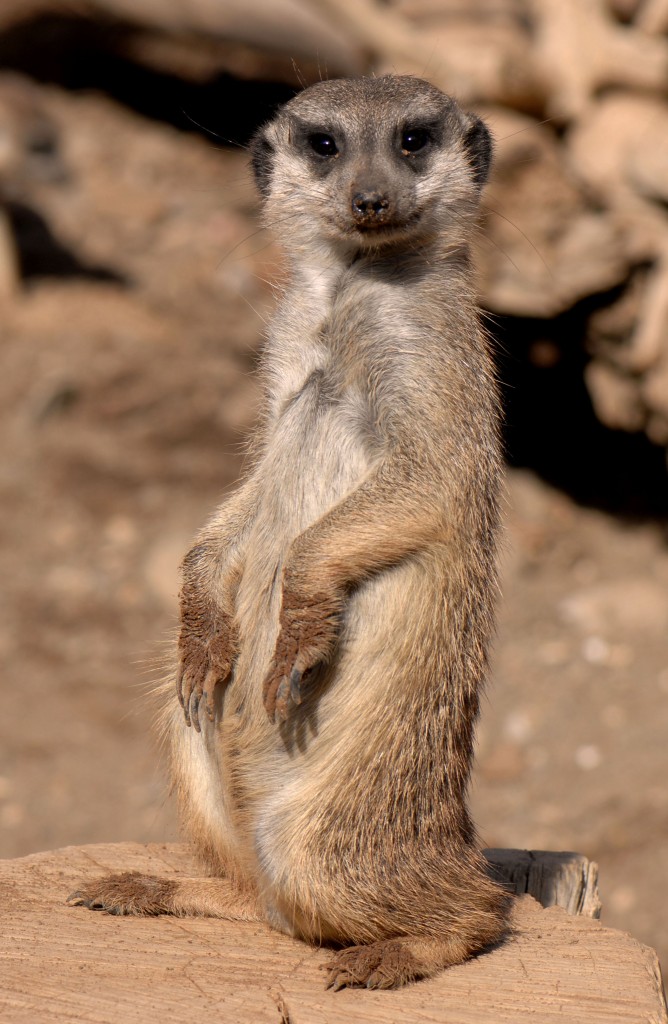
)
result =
(309, 629)
(208, 646)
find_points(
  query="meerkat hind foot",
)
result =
(391, 963)
(147, 895)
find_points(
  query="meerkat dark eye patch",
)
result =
(322, 144)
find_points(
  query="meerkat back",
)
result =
(337, 609)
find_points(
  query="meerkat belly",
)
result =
(344, 764)
(316, 455)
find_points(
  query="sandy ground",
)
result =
(126, 388)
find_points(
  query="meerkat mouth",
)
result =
(391, 226)
(377, 229)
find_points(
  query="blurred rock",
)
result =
(631, 607)
(504, 763)
(544, 247)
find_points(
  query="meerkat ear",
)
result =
(262, 161)
(479, 146)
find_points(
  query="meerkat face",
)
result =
(371, 162)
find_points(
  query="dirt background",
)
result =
(125, 394)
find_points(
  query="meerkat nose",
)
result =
(370, 206)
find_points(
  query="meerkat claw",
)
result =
(184, 691)
(195, 698)
(179, 687)
(186, 711)
(208, 689)
(296, 686)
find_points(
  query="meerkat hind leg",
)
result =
(391, 963)
(147, 895)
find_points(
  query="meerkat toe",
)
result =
(286, 691)
(126, 894)
(282, 700)
(379, 980)
(210, 683)
(350, 968)
(270, 694)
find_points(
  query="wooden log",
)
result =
(565, 880)
(64, 964)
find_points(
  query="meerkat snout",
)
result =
(370, 208)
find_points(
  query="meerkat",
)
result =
(337, 609)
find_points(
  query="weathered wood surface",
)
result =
(566, 880)
(66, 964)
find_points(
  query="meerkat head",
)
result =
(369, 163)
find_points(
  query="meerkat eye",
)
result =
(413, 140)
(322, 144)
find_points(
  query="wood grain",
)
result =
(566, 880)
(62, 964)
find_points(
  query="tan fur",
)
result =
(142, 895)
(336, 611)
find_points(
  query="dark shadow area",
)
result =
(551, 426)
(82, 55)
(42, 255)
